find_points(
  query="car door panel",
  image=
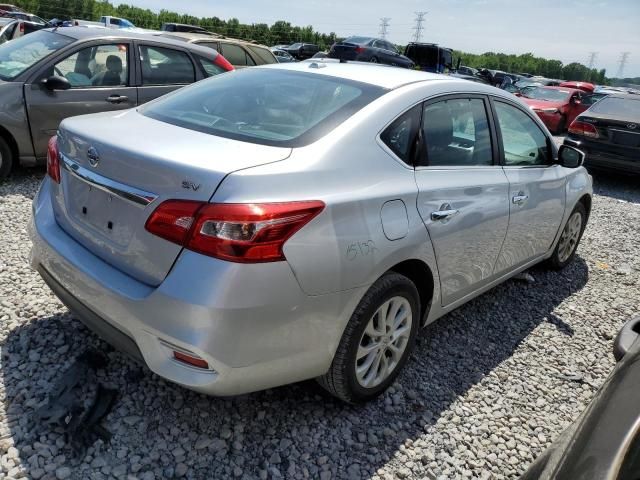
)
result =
(537, 188)
(47, 108)
(462, 193)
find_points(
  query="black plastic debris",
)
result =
(78, 403)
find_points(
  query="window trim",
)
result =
(551, 148)
(495, 157)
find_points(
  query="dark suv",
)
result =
(430, 57)
(302, 51)
(368, 49)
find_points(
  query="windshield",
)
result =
(126, 23)
(627, 108)
(268, 107)
(547, 94)
(18, 55)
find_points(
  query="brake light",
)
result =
(583, 128)
(359, 50)
(223, 63)
(53, 159)
(237, 232)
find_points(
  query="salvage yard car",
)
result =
(609, 134)
(368, 49)
(556, 106)
(53, 74)
(299, 221)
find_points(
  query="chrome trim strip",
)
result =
(132, 195)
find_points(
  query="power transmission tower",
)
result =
(624, 58)
(592, 60)
(418, 27)
(384, 25)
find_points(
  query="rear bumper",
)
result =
(600, 157)
(252, 323)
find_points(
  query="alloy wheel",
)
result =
(570, 236)
(383, 342)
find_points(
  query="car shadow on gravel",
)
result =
(161, 430)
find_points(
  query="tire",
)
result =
(564, 252)
(373, 60)
(6, 158)
(396, 292)
(562, 125)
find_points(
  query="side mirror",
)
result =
(55, 82)
(570, 157)
(627, 336)
(576, 101)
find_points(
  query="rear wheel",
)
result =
(6, 158)
(374, 60)
(569, 238)
(376, 342)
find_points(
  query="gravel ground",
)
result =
(488, 388)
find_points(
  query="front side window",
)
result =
(20, 54)
(268, 107)
(165, 66)
(456, 134)
(97, 66)
(523, 142)
(400, 136)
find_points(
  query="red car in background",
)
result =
(557, 107)
(584, 86)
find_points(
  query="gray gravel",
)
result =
(489, 387)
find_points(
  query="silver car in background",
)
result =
(299, 221)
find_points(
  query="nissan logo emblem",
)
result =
(93, 157)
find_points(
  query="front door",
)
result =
(100, 78)
(536, 187)
(462, 193)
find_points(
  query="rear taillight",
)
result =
(583, 128)
(53, 159)
(21, 27)
(223, 63)
(359, 50)
(237, 232)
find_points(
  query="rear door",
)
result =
(462, 192)
(101, 78)
(536, 186)
(162, 70)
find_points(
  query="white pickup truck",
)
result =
(108, 22)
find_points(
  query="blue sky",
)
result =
(564, 29)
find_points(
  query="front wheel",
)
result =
(569, 238)
(374, 60)
(376, 342)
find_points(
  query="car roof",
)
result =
(6, 20)
(373, 74)
(192, 36)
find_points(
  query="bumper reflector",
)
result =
(190, 360)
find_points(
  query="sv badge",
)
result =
(190, 185)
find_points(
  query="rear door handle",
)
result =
(520, 199)
(117, 98)
(444, 213)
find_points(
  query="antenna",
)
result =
(417, 36)
(384, 24)
(592, 60)
(624, 58)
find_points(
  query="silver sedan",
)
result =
(299, 221)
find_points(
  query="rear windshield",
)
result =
(358, 40)
(18, 55)
(628, 108)
(264, 106)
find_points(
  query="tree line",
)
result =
(282, 32)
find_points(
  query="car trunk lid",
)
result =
(345, 50)
(118, 167)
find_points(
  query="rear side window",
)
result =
(164, 66)
(236, 55)
(263, 55)
(456, 133)
(400, 136)
(209, 67)
(268, 107)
